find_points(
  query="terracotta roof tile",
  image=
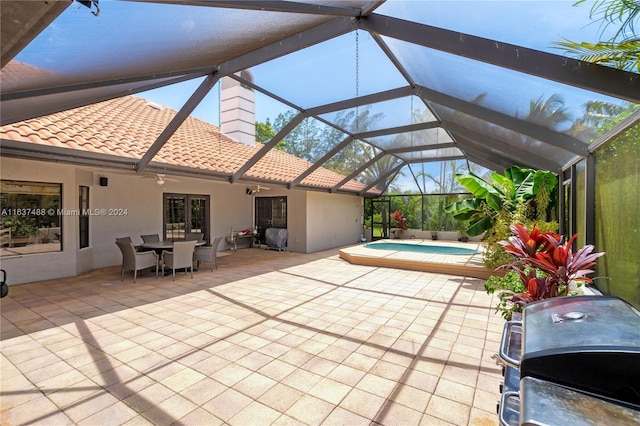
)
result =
(127, 127)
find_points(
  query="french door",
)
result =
(271, 212)
(184, 214)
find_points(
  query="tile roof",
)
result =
(128, 126)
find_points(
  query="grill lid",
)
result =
(580, 323)
(590, 343)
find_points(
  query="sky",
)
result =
(128, 33)
(515, 22)
(131, 35)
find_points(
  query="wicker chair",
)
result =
(135, 261)
(181, 257)
(208, 254)
(151, 238)
(197, 236)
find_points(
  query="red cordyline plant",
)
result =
(399, 219)
(537, 251)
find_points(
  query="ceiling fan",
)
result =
(160, 178)
(254, 189)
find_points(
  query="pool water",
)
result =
(422, 248)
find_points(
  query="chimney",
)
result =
(237, 109)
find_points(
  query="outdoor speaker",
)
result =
(104, 181)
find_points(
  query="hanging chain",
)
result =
(220, 116)
(357, 80)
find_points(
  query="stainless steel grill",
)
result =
(585, 349)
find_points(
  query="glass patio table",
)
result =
(158, 246)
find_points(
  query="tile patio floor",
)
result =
(268, 338)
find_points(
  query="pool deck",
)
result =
(464, 265)
(268, 338)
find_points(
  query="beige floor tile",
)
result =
(36, 411)
(152, 395)
(302, 380)
(310, 410)
(89, 405)
(362, 403)
(253, 413)
(330, 390)
(285, 337)
(340, 416)
(227, 404)
(396, 414)
(280, 397)
(411, 397)
(455, 391)
(182, 379)
(346, 375)
(255, 385)
(199, 416)
(376, 385)
(170, 410)
(118, 413)
(448, 410)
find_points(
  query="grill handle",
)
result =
(503, 406)
(506, 335)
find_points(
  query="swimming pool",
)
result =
(421, 248)
(387, 254)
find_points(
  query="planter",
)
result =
(398, 233)
(19, 241)
(448, 235)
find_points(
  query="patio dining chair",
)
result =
(180, 258)
(208, 254)
(151, 238)
(135, 261)
(197, 236)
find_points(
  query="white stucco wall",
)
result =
(43, 266)
(230, 207)
(333, 220)
(316, 220)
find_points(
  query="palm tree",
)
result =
(549, 112)
(623, 49)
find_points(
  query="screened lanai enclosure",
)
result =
(397, 96)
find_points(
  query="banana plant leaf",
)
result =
(478, 227)
(464, 205)
(479, 188)
(544, 179)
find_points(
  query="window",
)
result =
(83, 204)
(31, 217)
(185, 213)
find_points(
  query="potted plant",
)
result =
(462, 231)
(399, 221)
(545, 267)
(22, 228)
